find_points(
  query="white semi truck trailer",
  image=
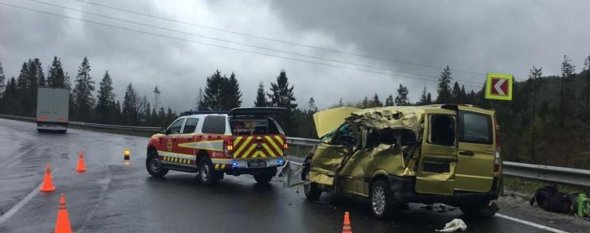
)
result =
(52, 109)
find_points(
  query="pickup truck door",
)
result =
(171, 141)
(435, 173)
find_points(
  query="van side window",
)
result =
(174, 128)
(475, 128)
(191, 125)
(214, 125)
(442, 130)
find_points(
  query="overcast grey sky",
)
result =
(413, 39)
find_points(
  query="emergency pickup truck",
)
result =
(242, 141)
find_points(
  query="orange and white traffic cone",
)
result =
(81, 167)
(47, 185)
(62, 224)
(346, 228)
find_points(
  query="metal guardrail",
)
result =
(553, 174)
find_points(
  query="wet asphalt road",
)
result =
(113, 197)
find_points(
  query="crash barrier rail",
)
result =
(299, 147)
(552, 174)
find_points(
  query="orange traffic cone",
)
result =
(346, 228)
(62, 224)
(47, 185)
(81, 167)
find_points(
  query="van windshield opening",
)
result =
(253, 126)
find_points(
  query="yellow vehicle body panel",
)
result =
(438, 169)
(328, 120)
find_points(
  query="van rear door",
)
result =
(475, 166)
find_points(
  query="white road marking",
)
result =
(20, 204)
(498, 86)
(532, 224)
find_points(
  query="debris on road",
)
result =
(453, 226)
(550, 199)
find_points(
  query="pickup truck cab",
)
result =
(242, 141)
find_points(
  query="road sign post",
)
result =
(499, 86)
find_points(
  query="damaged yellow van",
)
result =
(416, 154)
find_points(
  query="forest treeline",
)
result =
(547, 122)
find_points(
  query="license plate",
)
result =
(256, 164)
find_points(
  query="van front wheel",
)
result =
(381, 198)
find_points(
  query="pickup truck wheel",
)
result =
(484, 211)
(263, 178)
(207, 173)
(381, 200)
(154, 166)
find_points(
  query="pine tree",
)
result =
(402, 96)
(456, 94)
(157, 97)
(389, 101)
(232, 96)
(82, 93)
(27, 84)
(534, 75)
(340, 102)
(130, 106)
(212, 100)
(376, 102)
(55, 76)
(428, 99)
(38, 72)
(8, 104)
(423, 97)
(260, 97)
(311, 105)
(2, 80)
(106, 100)
(463, 96)
(444, 88)
(282, 95)
(567, 73)
(200, 101)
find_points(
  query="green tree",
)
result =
(27, 84)
(157, 97)
(444, 88)
(37, 71)
(232, 96)
(389, 101)
(56, 77)
(8, 104)
(213, 98)
(312, 108)
(260, 97)
(566, 95)
(376, 102)
(282, 95)
(105, 106)
(130, 106)
(423, 97)
(82, 93)
(402, 96)
(456, 94)
(2, 79)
